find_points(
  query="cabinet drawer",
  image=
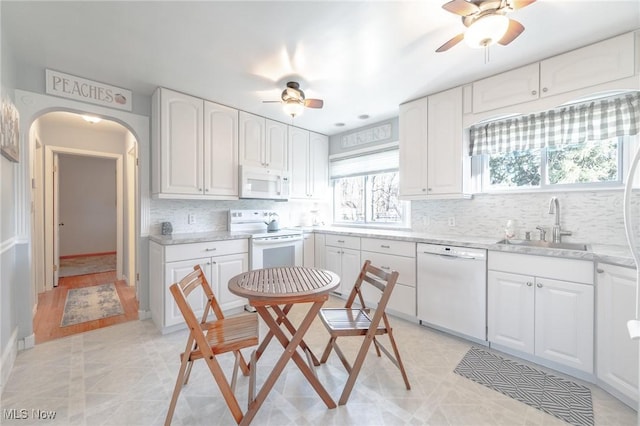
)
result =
(198, 250)
(398, 248)
(343, 241)
(575, 270)
(406, 266)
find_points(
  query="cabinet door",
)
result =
(508, 88)
(333, 262)
(220, 150)
(510, 310)
(308, 250)
(444, 152)
(276, 146)
(318, 165)
(602, 62)
(299, 162)
(174, 272)
(617, 354)
(319, 250)
(413, 148)
(351, 267)
(223, 268)
(181, 143)
(564, 323)
(252, 140)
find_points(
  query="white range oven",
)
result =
(267, 249)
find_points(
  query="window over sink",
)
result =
(585, 145)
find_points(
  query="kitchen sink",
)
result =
(546, 244)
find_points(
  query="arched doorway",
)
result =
(32, 106)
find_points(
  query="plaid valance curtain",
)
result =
(596, 120)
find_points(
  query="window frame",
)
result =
(627, 146)
(406, 217)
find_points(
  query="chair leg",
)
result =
(180, 381)
(236, 366)
(357, 365)
(400, 365)
(327, 350)
(377, 346)
(188, 373)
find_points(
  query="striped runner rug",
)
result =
(562, 398)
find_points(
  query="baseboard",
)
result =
(71, 256)
(144, 315)
(8, 359)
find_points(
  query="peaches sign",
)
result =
(80, 89)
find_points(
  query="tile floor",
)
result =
(124, 375)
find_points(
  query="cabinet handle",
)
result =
(383, 246)
(206, 190)
(210, 249)
(539, 285)
(600, 270)
(385, 267)
(529, 283)
(341, 241)
(424, 189)
(429, 189)
(213, 263)
(534, 92)
(544, 89)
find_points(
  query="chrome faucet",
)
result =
(554, 207)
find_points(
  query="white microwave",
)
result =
(258, 182)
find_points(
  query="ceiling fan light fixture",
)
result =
(487, 30)
(293, 107)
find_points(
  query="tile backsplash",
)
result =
(213, 215)
(594, 217)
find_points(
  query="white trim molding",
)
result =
(8, 358)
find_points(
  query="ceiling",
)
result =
(363, 57)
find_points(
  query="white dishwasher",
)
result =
(452, 289)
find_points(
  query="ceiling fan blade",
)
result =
(519, 4)
(514, 30)
(448, 45)
(271, 102)
(313, 103)
(461, 7)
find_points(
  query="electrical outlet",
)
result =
(452, 221)
(191, 219)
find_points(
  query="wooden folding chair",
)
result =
(354, 321)
(210, 338)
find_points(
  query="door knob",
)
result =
(61, 224)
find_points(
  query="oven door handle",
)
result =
(275, 240)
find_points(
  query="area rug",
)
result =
(91, 303)
(82, 265)
(562, 398)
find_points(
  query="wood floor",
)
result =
(46, 323)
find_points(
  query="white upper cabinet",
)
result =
(178, 143)
(444, 149)
(195, 148)
(413, 148)
(431, 142)
(596, 64)
(263, 142)
(309, 155)
(220, 150)
(508, 88)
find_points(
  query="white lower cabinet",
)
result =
(617, 354)
(219, 260)
(391, 255)
(342, 256)
(533, 308)
(309, 250)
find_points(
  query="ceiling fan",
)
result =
(486, 22)
(293, 100)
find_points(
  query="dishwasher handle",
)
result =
(454, 256)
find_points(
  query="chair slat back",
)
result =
(196, 279)
(379, 279)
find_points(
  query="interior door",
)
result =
(56, 219)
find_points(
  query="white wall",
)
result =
(87, 205)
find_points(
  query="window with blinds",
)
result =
(365, 190)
